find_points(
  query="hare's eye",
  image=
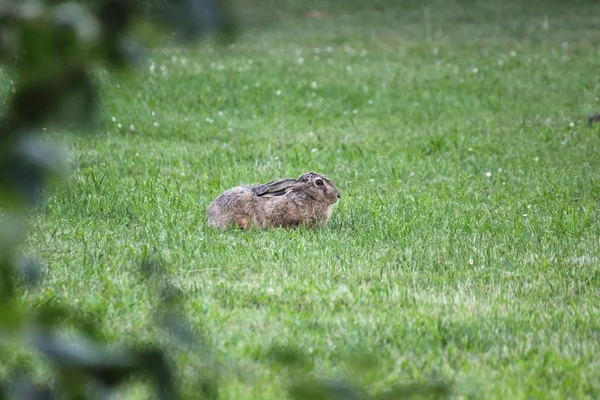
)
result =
(319, 182)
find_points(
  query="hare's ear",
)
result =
(275, 188)
(306, 177)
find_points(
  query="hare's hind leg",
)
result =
(243, 221)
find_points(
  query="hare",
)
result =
(307, 200)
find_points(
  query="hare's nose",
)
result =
(339, 195)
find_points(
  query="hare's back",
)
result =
(233, 198)
(229, 204)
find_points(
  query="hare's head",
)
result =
(318, 187)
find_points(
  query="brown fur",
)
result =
(283, 203)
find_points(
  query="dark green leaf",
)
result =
(68, 97)
(28, 164)
(23, 389)
(156, 364)
(177, 327)
(77, 19)
(11, 316)
(30, 271)
(195, 18)
(325, 390)
(417, 390)
(50, 315)
(287, 355)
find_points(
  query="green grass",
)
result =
(465, 247)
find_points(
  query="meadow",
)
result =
(465, 248)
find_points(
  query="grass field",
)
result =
(466, 244)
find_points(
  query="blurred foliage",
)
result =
(307, 388)
(594, 118)
(48, 50)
